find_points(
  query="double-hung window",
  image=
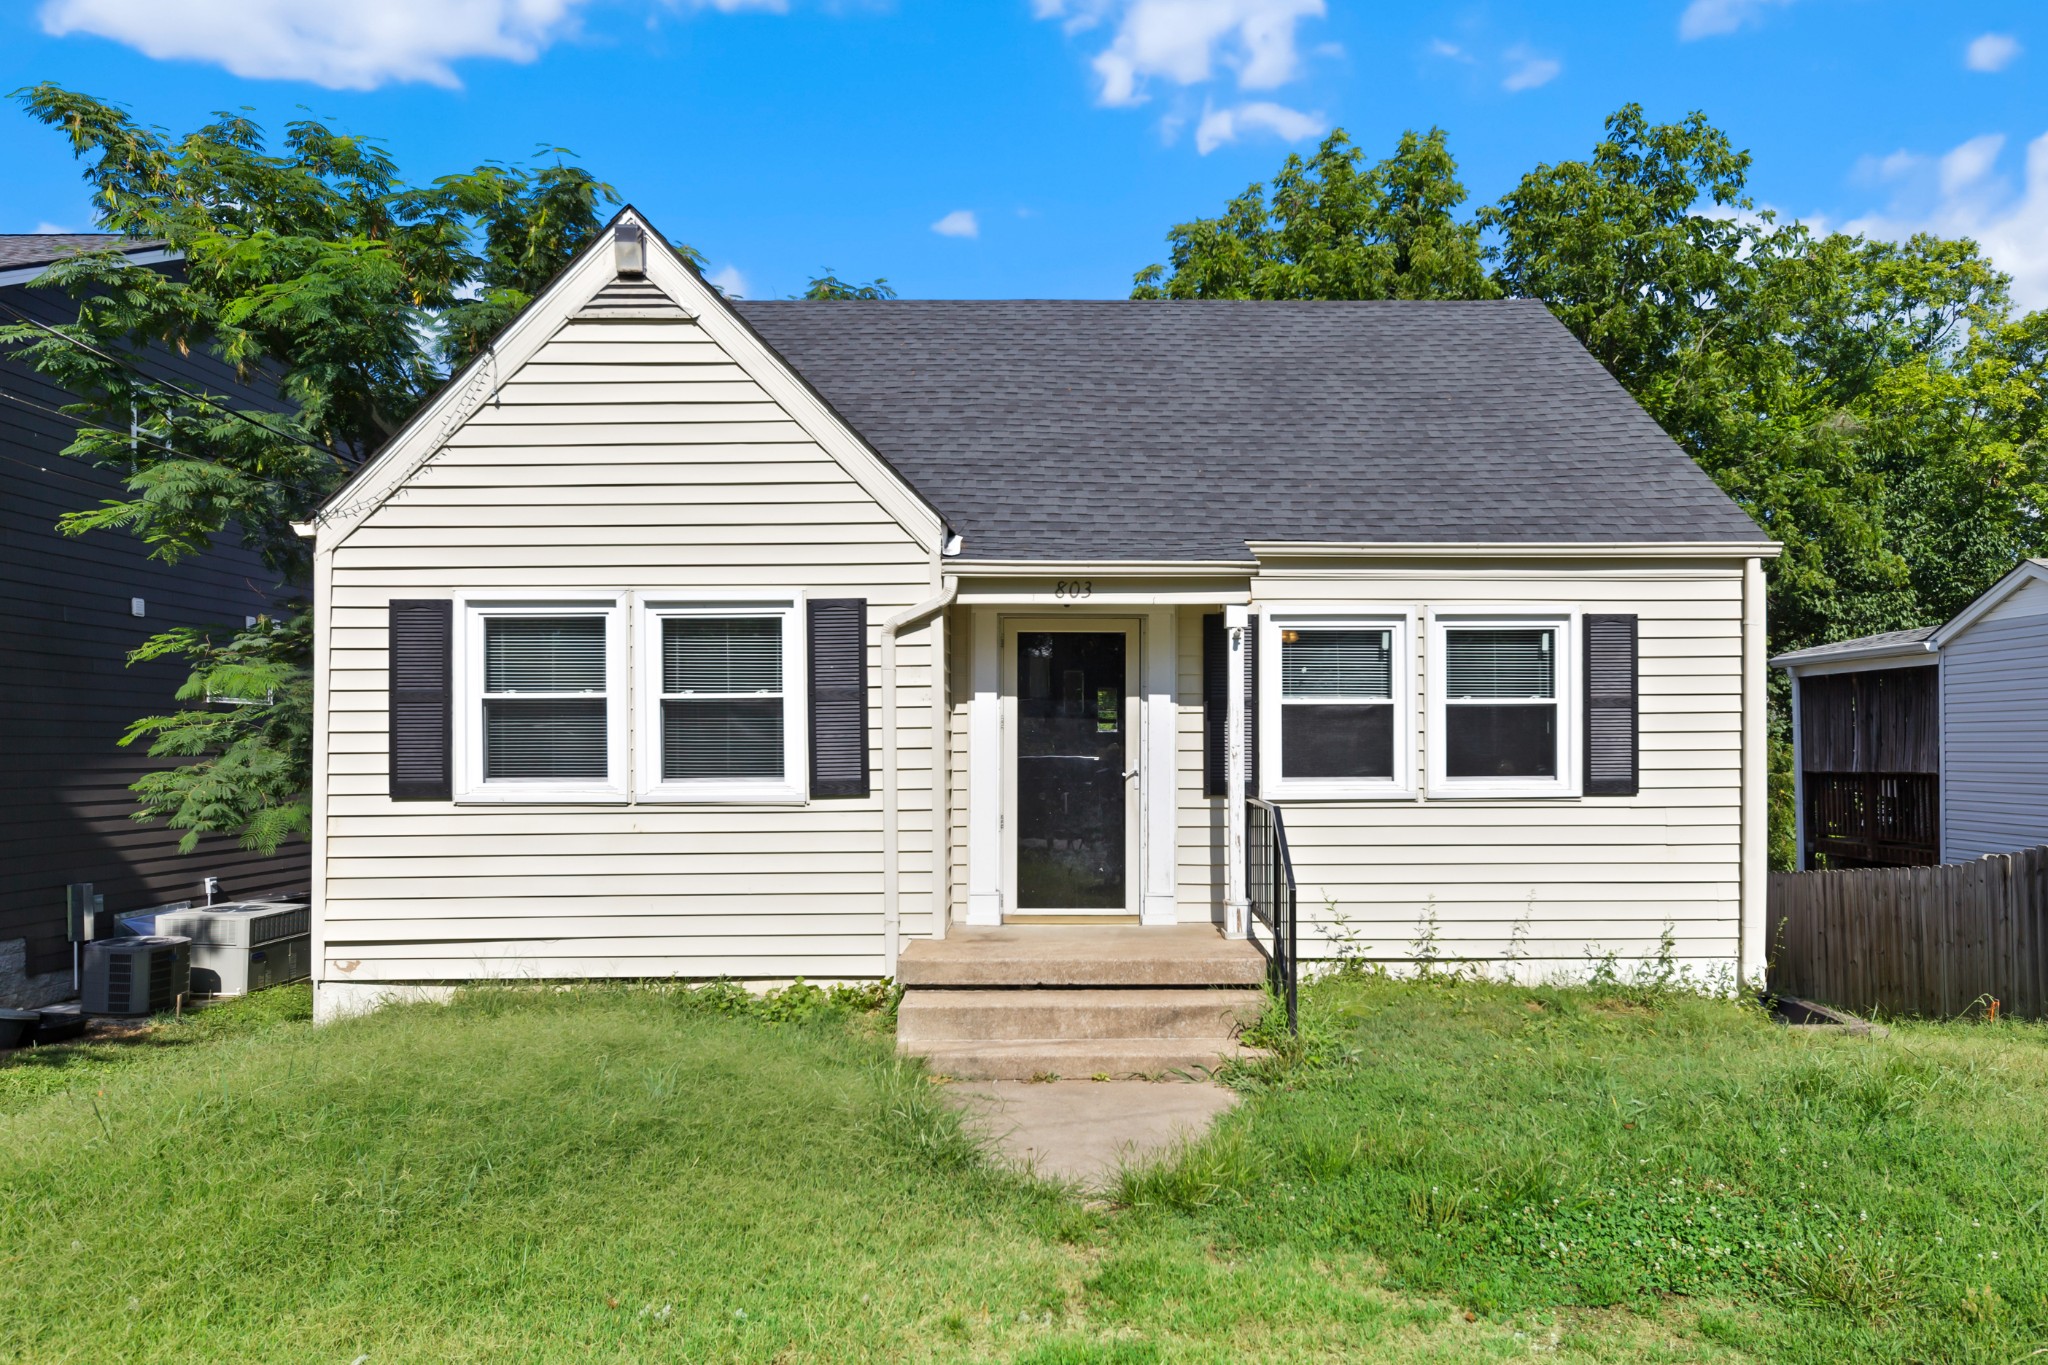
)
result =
(1503, 720)
(1335, 703)
(545, 698)
(724, 712)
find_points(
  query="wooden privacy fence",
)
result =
(1915, 940)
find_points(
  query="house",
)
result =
(73, 609)
(1929, 745)
(687, 636)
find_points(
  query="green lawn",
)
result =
(1451, 1173)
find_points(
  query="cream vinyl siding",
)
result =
(1589, 875)
(1994, 730)
(622, 456)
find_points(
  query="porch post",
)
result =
(1236, 900)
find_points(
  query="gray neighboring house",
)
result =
(682, 636)
(1929, 745)
(73, 609)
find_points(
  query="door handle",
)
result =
(1131, 774)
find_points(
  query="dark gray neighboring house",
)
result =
(73, 609)
(1929, 745)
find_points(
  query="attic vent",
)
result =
(630, 246)
(635, 298)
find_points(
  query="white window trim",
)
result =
(1275, 784)
(1565, 621)
(471, 610)
(794, 787)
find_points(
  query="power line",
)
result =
(178, 389)
(135, 437)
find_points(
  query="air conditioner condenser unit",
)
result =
(244, 946)
(143, 975)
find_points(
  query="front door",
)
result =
(1075, 743)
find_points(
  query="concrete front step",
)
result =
(1081, 955)
(1027, 1059)
(1054, 1013)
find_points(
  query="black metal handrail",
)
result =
(1269, 884)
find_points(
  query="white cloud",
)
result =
(1991, 52)
(1450, 51)
(1963, 198)
(1971, 162)
(354, 45)
(728, 281)
(1220, 126)
(341, 44)
(1711, 18)
(1528, 70)
(958, 223)
(51, 227)
(1184, 41)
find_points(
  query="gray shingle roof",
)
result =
(1882, 642)
(18, 249)
(1180, 430)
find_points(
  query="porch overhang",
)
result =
(1095, 585)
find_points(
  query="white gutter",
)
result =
(1509, 549)
(892, 873)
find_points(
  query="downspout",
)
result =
(892, 873)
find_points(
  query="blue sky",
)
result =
(1041, 148)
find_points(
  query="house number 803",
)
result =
(1074, 588)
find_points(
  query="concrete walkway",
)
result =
(1082, 1130)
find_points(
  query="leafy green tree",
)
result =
(313, 269)
(829, 287)
(1878, 407)
(1333, 228)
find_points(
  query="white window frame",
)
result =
(472, 610)
(1273, 782)
(794, 785)
(1562, 620)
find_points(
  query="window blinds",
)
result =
(722, 704)
(721, 655)
(544, 711)
(1500, 663)
(544, 654)
(1337, 663)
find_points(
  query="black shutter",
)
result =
(1215, 705)
(839, 696)
(1251, 707)
(422, 660)
(1612, 764)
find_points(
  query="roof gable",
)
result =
(2029, 577)
(591, 288)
